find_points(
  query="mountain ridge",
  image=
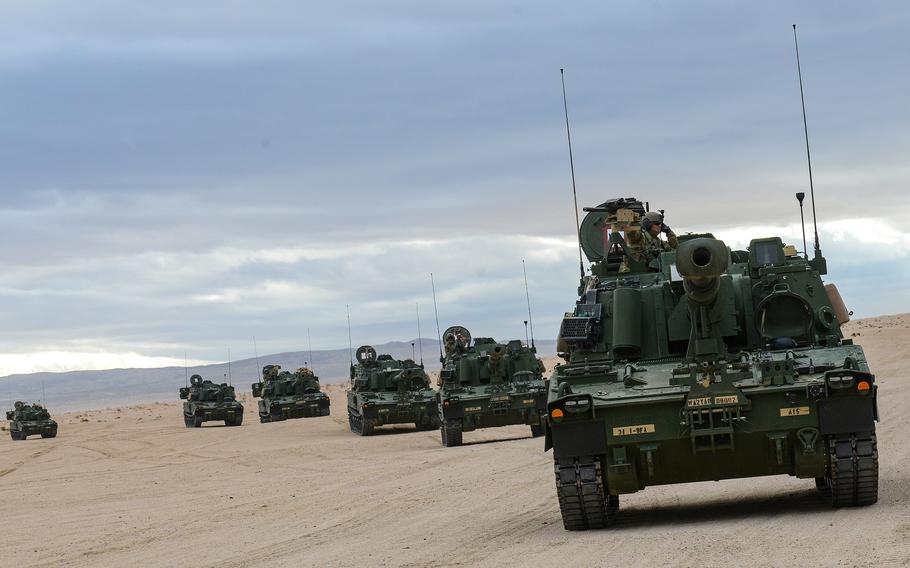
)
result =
(92, 389)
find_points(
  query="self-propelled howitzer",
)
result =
(29, 419)
(285, 395)
(387, 391)
(206, 401)
(485, 384)
(713, 364)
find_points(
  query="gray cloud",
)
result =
(197, 175)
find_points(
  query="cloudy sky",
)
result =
(182, 176)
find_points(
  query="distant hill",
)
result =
(78, 390)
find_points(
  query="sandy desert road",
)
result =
(133, 487)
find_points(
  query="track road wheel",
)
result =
(852, 469)
(197, 422)
(537, 430)
(451, 433)
(583, 500)
(368, 426)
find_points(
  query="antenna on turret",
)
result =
(436, 310)
(419, 336)
(413, 353)
(256, 352)
(528, 298)
(186, 370)
(309, 341)
(230, 377)
(565, 105)
(802, 98)
(802, 221)
(527, 341)
(350, 342)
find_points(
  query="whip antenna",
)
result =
(419, 337)
(436, 310)
(565, 106)
(256, 352)
(309, 341)
(350, 342)
(186, 371)
(528, 298)
(802, 98)
(230, 377)
(802, 221)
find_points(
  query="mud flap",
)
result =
(846, 415)
(588, 438)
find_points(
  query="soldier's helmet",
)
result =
(651, 218)
(196, 380)
(19, 404)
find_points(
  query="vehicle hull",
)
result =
(277, 411)
(22, 429)
(365, 414)
(196, 413)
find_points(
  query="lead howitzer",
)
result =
(709, 364)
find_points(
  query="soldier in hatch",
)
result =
(646, 245)
(270, 373)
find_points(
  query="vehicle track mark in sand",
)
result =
(20, 463)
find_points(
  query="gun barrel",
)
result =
(701, 262)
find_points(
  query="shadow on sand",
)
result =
(800, 502)
(497, 440)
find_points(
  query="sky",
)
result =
(179, 177)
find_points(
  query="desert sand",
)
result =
(132, 486)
